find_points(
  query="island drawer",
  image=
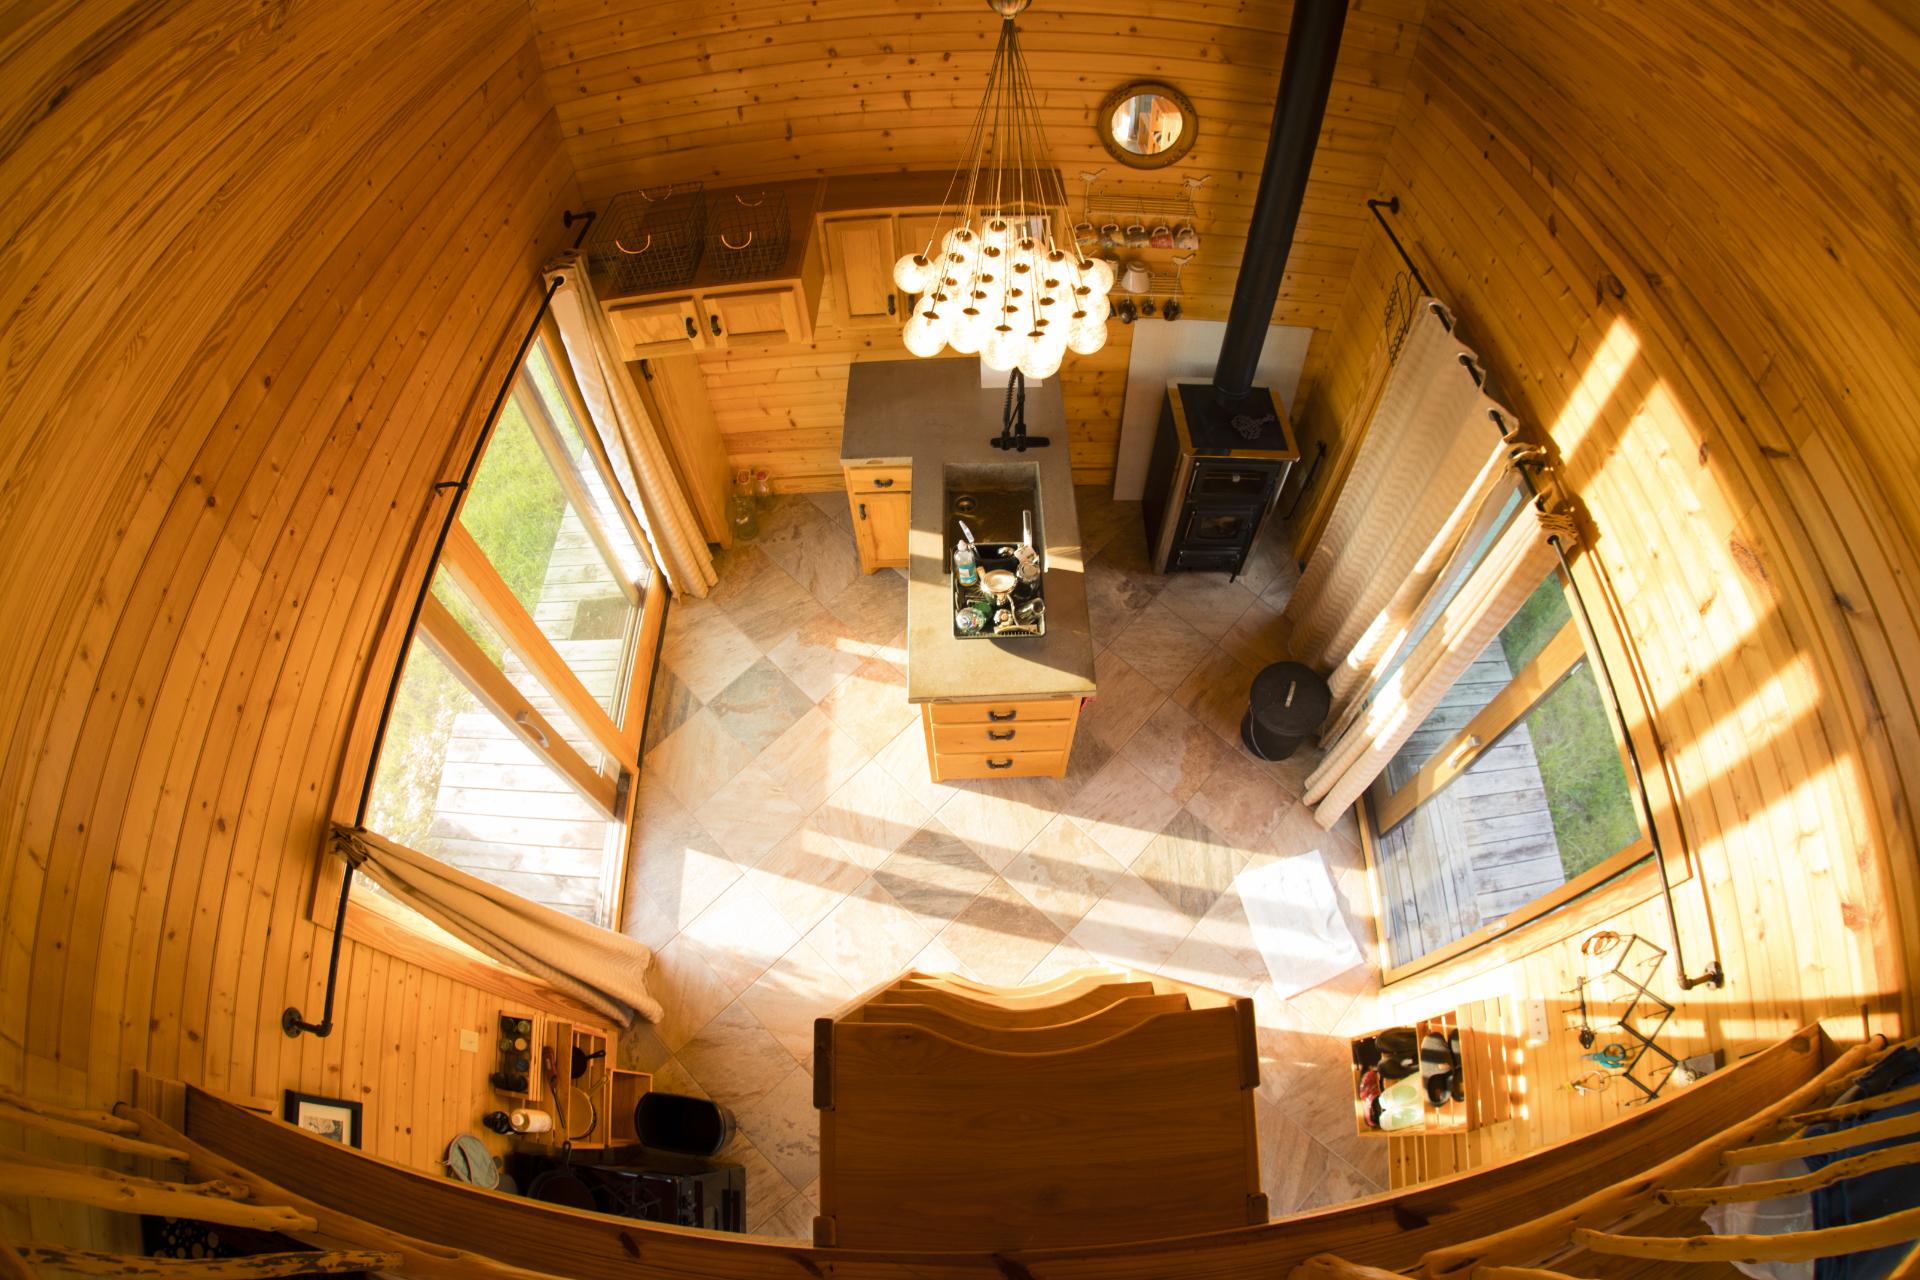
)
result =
(1002, 712)
(1023, 735)
(987, 764)
(880, 479)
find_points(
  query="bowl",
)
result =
(999, 582)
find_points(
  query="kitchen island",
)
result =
(990, 707)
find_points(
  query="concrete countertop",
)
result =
(933, 414)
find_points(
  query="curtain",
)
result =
(597, 967)
(632, 439)
(1511, 571)
(1427, 442)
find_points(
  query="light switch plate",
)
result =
(469, 1040)
(1537, 1028)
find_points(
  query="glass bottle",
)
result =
(740, 509)
(762, 488)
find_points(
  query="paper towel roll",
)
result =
(530, 1121)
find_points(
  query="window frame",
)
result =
(610, 790)
(1621, 872)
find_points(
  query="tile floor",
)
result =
(792, 851)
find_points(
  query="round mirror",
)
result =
(1147, 124)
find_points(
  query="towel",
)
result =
(1296, 921)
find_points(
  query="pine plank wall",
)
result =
(265, 265)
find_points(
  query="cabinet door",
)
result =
(656, 327)
(880, 523)
(769, 315)
(860, 255)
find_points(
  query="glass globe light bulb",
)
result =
(964, 328)
(961, 246)
(1085, 335)
(1098, 306)
(913, 273)
(1042, 360)
(1099, 275)
(925, 334)
(1003, 348)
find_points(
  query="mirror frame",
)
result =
(1190, 121)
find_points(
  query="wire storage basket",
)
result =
(748, 235)
(651, 238)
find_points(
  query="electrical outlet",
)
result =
(469, 1040)
(1537, 1027)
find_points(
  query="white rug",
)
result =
(1295, 914)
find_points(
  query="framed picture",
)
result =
(332, 1118)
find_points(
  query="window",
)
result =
(518, 713)
(1514, 787)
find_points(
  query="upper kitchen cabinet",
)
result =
(723, 305)
(860, 255)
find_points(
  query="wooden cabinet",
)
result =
(1017, 738)
(657, 327)
(880, 496)
(860, 256)
(674, 393)
(759, 314)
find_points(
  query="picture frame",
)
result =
(335, 1119)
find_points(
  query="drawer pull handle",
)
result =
(1001, 735)
(1001, 764)
(713, 322)
(997, 716)
(886, 483)
(891, 304)
(691, 331)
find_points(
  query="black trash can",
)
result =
(1288, 704)
(682, 1124)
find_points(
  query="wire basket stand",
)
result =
(748, 236)
(650, 238)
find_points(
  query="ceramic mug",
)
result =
(1110, 237)
(1086, 236)
(1185, 237)
(1161, 237)
(1137, 237)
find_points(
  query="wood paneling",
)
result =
(1675, 235)
(748, 90)
(265, 266)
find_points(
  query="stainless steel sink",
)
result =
(990, 498)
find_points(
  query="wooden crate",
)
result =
(1485, 1073)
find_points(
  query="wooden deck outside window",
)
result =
(519, 715)
(1511, 798)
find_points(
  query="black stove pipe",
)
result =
(1306, 78)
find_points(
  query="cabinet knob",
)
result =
(891, 303)
(713, 323)
(863, 511)
(691, 331)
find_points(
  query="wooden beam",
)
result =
(105, 1121)
(93, 1137)
(1839, 1140)
(1788, 1246)
(1858, 1107)
(1838, 1171)
(444, 634)
(226, 1190)
(79, 1186)
(547, 433)
(496, 602)
(12, 1265)
(1327, 1266)
(1519, 1273)
(259, 1266)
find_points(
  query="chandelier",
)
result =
(996, 281)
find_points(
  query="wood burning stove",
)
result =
(1210, 482)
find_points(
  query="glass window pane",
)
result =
(455, 783)
(1449, 586)
(554, 556)
(1545, 803)
(1505, 656)
(515, 668)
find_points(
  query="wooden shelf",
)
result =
(1485, 1073)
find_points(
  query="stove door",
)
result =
(1217, 528)
(1243, 484)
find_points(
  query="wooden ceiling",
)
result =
(739, 91)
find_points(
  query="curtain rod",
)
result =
(290, 1020)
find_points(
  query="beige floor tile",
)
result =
(759, 706)
(762, 599)
(1210, 603)
(740, 936)
(794, 1219)
(681, 867)
(806, 876)
(697, 759)
(934, 875)
(870, 705)
(704, 648)
(1161, 646)
(1176, 751)
(1258, 638)
(818, 553)
(735, 1059)
(1065, 958)
(688, 989)
(1241, 802)
(905, 760)
(766, 1189)
(869, 938)
(784, 1126)
(871, 816)
(1064, 872)
(800, 987)
(1132, 927)
(812, 760)
(937, 957)
(1189, 865)
(750, 815)
(999, 817)
(1125, 700)
(1215, 692)
(874, 607)
(1000, 936)
(1123, 810)
(821, 652)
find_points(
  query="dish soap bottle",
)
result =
(966, 561)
